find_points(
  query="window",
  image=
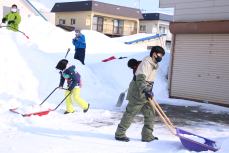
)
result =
(143, 28)
(118, 26)
(168, 44)
(162, 29)
(98, 23)
(73, 21)
(61, 21)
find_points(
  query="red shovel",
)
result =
(43, 112)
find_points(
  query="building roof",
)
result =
(157, 16)
(97, 7)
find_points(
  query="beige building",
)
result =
(157, 23)
(112, 20)
(200, 66)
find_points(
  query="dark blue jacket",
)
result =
(79, 42)
(72, 77)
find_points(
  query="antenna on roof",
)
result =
(143, 10)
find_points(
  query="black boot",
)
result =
(85, 111)
(125, 139)
(154, 138)
(66, 112)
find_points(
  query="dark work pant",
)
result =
(80, 54)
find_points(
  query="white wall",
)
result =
(198, 10)
(153, 27)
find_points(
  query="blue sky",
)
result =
(147, 6)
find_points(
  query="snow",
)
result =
(28, 75)
(39, 6)
(194, 138)
(133, 37)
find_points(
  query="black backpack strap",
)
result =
(134, 78)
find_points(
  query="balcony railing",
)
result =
(120, 31)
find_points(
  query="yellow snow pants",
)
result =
(76, 97)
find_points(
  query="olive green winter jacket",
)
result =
(13, 17)
(143, 80)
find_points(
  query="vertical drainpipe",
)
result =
(170, 72)
(1, 9)
(92, 15)
(138, 25)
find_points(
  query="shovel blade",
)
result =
(192, 144)
(120, 99)
(41, 113)
(37, 113)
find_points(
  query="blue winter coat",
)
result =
(79, 42)
(72, 77)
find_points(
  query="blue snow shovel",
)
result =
(121, 98)
(184, 136)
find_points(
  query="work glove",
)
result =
(4, 20)
(81, 84)
(75, 40)
(148, 94)
(11, 22)
(70, 89)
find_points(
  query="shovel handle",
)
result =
(67, 53)
(16, 30)
(51, 94)
(162, 116)
(62, 101)
(48, 96)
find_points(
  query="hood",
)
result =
(150, 60)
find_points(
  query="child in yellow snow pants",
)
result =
(74, 83)
(76, 97)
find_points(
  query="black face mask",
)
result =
(158, 59)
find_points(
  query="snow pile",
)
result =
(29, 75)
(52, 40)
(133, 37)
(107, 45)
(224, 147)
(47, 37)
(17, 79)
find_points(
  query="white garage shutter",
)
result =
(200, 69)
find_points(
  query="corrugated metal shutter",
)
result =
(200, 69)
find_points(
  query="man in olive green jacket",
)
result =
(140, 89)
(13, 18)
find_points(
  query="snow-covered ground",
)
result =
(28, 75)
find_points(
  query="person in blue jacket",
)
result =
(74, 84)
(80, 46)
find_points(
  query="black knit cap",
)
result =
(157, 49)
(132, 63)
(14, 5)
(62, 64)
